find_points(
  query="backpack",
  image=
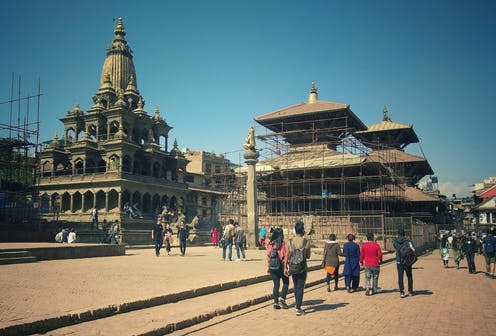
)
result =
(407, 254)
(296, 260)
(274, 260)
(489, 245)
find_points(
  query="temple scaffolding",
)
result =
(318, 162)
(19, 144)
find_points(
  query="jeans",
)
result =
(240, 246)
(182, 246)
(408, 270)
(352, 280)
(336, 279)
(276, 276)
(227, 244)
(299, 286)
(470, 262)
(158, 246)
(372, 272)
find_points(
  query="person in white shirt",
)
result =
(71, 238)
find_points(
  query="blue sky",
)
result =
(212, 66)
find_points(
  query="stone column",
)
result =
(251, 158)
(119, 201)
(106, 201)
(72, 203)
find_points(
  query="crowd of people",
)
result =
(458, 246)
(288, 258)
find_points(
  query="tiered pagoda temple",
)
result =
(319, 160)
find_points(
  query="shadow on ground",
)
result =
(317, 305)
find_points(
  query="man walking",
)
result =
(469, 248)
(157, 236)
(489, 249)
(371, 256)
(401, 265)
(240, 241)
(227, 238)
(182, 234)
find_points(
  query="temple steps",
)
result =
(16, 257)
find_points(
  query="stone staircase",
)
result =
(16, 257)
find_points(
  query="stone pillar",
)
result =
(106, 201)
(251, 158)
(119, 201)
(72, 203)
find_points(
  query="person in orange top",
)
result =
(371, 256)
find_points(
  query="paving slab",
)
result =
(447, 302)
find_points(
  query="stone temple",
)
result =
(115, 157)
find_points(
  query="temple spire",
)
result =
(385, 114)
(313, 97)
(119, 28)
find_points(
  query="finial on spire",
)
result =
(313, 97)
(385, 114)
(119, 27)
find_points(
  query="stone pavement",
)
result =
(447, 302)
(47, 289)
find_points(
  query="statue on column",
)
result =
(250, 140)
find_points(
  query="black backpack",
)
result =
(274, 260)
(407, 254)
(297, 259)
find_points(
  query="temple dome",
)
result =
(118, 65)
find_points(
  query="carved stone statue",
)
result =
(250, 140)
(194, 223)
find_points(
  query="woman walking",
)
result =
(215, 237)
(277, 254)
(299, 253)
(444, 250)
(331, 261)
(351, 272)
(168, 238)
(457, 251)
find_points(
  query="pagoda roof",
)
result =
(408, 193)
(418, 166)
(313, 121)
(307, 157)
(393, 156)
(388, 133)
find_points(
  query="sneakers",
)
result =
(283, 304)
(410, 293)
(328, 289)
(244, 259)
(367, 292)
(238, 259)
(299, 312)
(402, 295)
(350, 290)
(276, 306)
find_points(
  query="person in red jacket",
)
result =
(371, 256)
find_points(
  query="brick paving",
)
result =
(448, 301)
